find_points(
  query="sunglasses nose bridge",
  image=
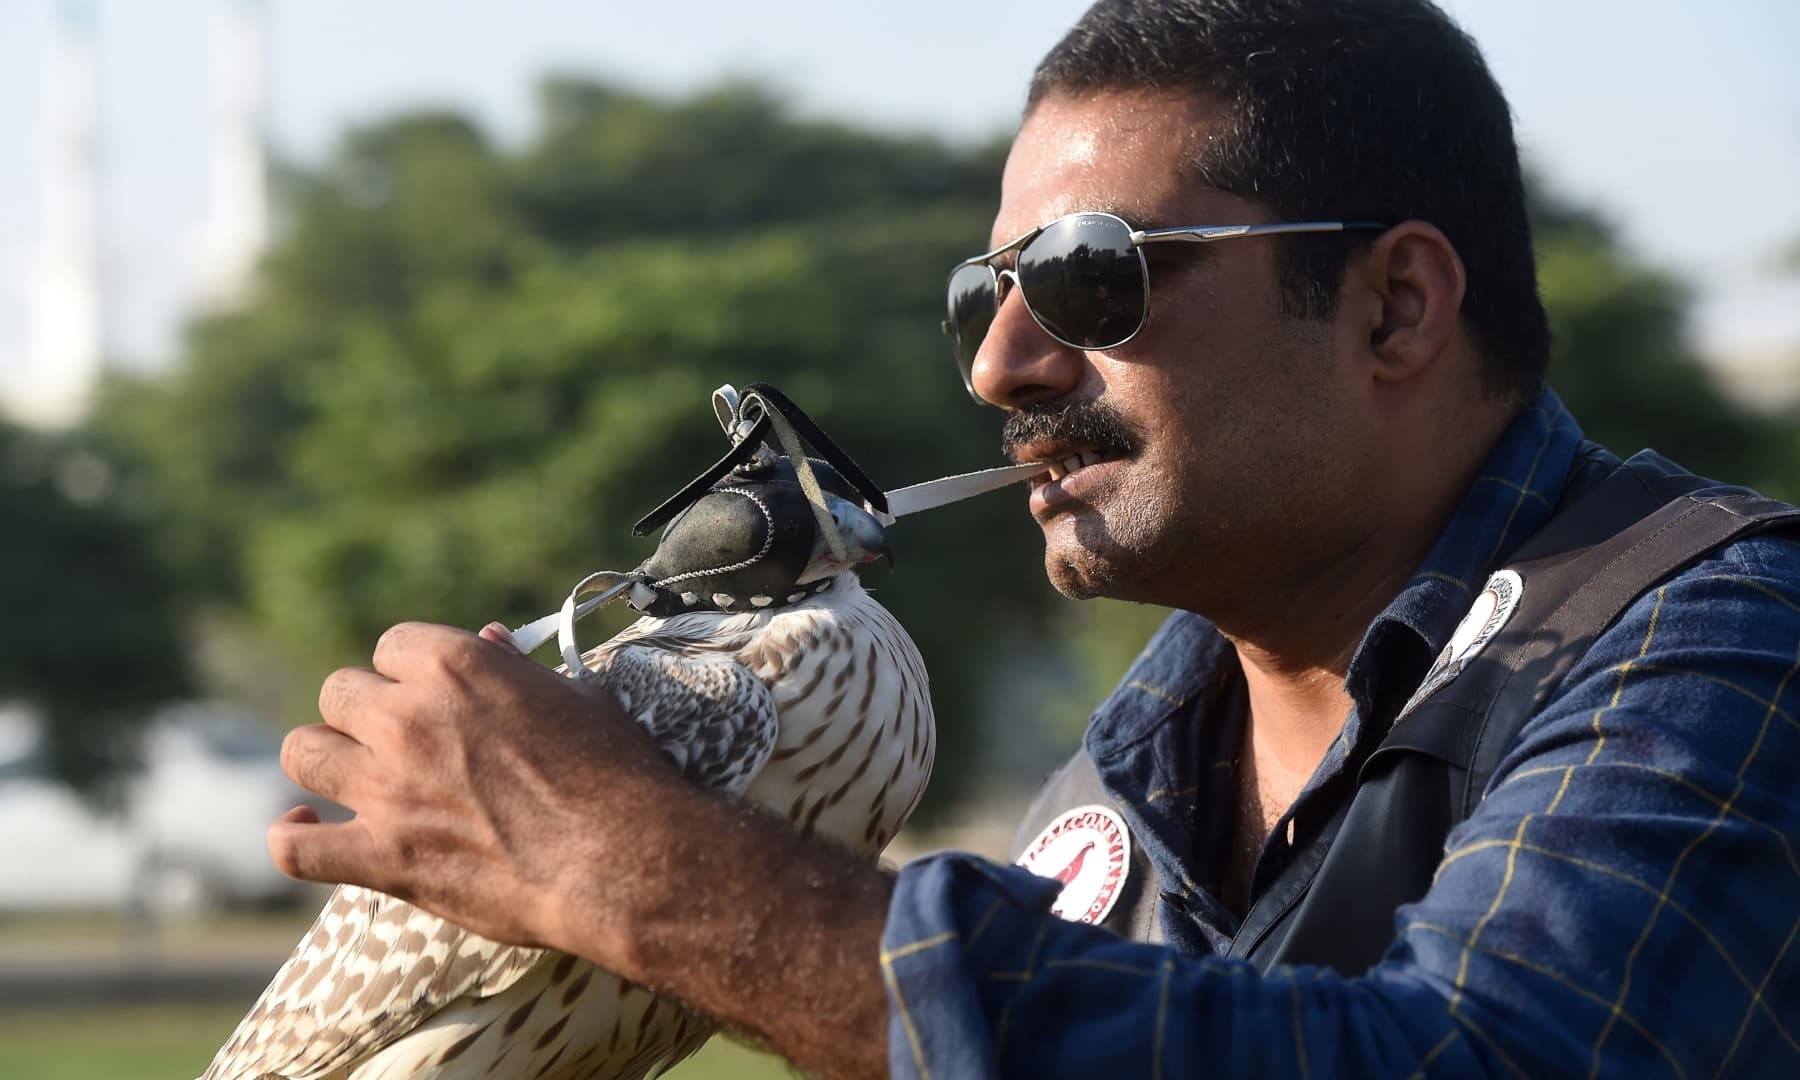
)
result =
(1006, 280)
(1002, 276)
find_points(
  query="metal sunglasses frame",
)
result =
(1137, 238)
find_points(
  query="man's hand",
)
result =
(481, 781)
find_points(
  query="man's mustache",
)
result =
(1092, 422)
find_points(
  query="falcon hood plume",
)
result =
(749, 603)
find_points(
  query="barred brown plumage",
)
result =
(819, 711)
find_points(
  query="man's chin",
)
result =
(1080, 578)
(1085, 559)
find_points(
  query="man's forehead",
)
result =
(1130, 153)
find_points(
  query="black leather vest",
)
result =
(1620, 530)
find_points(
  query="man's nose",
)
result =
(1018, 363)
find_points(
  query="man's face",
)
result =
(1224, 424)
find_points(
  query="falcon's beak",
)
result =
(864, 536)
(865, 541)
(879, 548)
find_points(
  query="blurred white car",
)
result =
(187, 841)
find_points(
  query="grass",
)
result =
(153, 1041)
(157, 1042)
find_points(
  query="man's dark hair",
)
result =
(1368, 110)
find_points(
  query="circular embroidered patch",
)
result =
(1089, 850)
(1486, 616)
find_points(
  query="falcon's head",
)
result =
(754, 542)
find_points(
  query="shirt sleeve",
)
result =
(1624, 901)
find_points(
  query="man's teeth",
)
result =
(1060, 469)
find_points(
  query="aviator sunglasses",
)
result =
(1083, 277)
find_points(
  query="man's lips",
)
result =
(1072, 488)
(1072, 472)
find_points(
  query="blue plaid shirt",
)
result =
(1625, 900)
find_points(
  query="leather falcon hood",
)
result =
(743, 545)
(742, 534)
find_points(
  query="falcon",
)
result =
(762, 667)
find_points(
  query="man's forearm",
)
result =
(772, 935)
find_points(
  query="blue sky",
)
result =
(1681, 122)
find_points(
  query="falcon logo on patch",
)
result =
(1491, 610)
(1089, 850)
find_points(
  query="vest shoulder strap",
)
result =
(1575, 577)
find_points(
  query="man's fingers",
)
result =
(414, 646)
(321, 759)
(299, 815)
(338, 853)
(499, 635)
(347, 700)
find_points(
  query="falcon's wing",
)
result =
(705, 710)
(370, 969)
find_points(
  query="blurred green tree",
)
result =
(1625, 364)
(92, 639)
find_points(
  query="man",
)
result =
(1315, 446)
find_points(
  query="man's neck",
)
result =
(1295, 640)
(1295, 665)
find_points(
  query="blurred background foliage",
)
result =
(93, 632)
(469, 367)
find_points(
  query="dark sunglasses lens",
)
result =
(1084, 281)
(972, 309)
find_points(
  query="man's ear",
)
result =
(1409, 289)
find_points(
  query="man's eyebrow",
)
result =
(1149, 220)
(1135, 216)
(1151, 224)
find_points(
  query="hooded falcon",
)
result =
(764, 669)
